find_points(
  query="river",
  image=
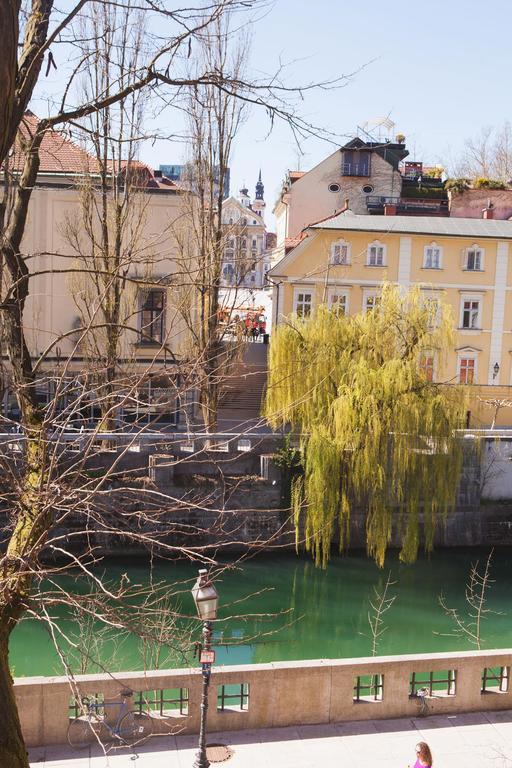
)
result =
(307, 613)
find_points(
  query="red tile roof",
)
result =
(60, 155)
(291, 242)
(294, 175)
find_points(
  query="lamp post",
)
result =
(496, 370)
(206, 600)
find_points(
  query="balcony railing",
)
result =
(355, 169)
(407, 206)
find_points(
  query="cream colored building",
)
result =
(466, 263)
(153, 257)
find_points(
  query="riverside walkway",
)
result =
(472, 740)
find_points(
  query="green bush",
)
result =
(431, 193)
(483, 183)
(457, 185)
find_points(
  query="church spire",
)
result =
(260, 189)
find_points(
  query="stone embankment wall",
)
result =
(282, 693)
(229, 486)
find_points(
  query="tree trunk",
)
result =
(12, 747)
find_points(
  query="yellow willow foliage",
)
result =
(374, 430)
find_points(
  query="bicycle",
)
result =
(130, 729)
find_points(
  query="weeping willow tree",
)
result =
(375, 430)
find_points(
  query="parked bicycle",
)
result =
(92, 726)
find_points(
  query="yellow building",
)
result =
(343, 260)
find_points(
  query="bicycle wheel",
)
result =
(83, 731)
(135, 728)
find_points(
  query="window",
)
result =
(334, 187)
(376, 255)
(303, 302)
(338, 301)
(470, 314)
(370, 301)
(432, 257)
(340, 253)
(467, 367)
(474, 259)
(433, 306)
(367, 189)
(427, 365)
(152, 317)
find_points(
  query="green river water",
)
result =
(327, 610)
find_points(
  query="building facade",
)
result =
(344, 179)
(466, 263)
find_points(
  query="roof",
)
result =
(291, 242)
(58, 154)
(294, 175)
(419, 225)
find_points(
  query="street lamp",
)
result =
(206, 600)
(496, 370)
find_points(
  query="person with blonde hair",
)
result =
(423, 756)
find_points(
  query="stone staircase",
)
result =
(242, 392)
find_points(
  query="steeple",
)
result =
(260, 189)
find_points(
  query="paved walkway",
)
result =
(474, 740)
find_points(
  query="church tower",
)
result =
(258, 205)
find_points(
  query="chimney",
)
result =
(157, 174)
(488, 211)
(389, 209)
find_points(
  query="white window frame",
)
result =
(432, 296)
(481, 255)
(377, 245)
(335, 293)
(471, 297)
(468, 354)
(296, 292)
(370, 293)
(336, 259)
(428, 257)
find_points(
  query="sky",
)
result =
(440, 69)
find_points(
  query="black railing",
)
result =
(229, 695)
(163, 701)
(369, 687)
(376, 203)
(495, 679)
(440, 682)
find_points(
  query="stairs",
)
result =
(242, 392)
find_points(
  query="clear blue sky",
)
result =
(442, 70)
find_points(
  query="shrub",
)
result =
(483, 183)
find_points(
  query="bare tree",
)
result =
(60, 502)
(380, 604)
(214, 118)
(487, 154)
(477, 587)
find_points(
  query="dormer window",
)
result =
(340, 253)
(474, 259)
(376, 255)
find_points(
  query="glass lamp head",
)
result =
(205, 597)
